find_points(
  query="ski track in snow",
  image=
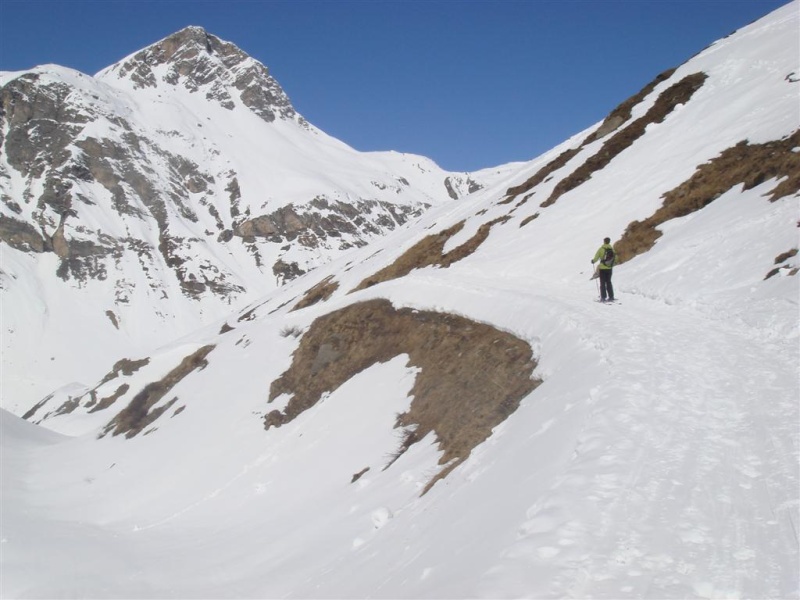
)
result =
(670, 457)
(677, 479)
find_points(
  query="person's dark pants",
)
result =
(606, 289)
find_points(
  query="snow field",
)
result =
(658, 459)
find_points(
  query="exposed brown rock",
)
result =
(451, 183)
(425, 253)
(322, 219)
(784, 256)
(744, 163)
(357, 476)
(541, 175)
(678, 93)
(109, 400)
(472, 376)
(448, 184)
(622, 113)
(429, 252)
(286, 271)
(188, 56)
(126, 366)
(40, 122)
(59, 240)
(67, 407)
(612, 122)
(319, 293)
(113, 318)
(33, 410)
(790, 271)
(20, 235)
(138, 414)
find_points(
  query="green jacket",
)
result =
(599, 256)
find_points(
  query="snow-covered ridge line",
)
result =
(201, 63)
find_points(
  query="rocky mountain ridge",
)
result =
(182, 173)
(202, 63)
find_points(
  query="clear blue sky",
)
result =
(468, 83)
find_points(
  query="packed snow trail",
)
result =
(658, 459)
(674, 475)
(681, 482)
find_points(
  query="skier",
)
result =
(606, 255)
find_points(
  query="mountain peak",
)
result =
(198, 61)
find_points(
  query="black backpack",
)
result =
(608, 257)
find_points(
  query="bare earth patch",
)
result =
(319, 293)
(429, 252)
(744, 163)
(782, 258)
(540, 175)
(622, 113)
(125, 367)
(472, 376)
(109, 400)
(137, 415)
(678, 93)
(612, 122)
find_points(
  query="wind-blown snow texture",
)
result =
(658, 458)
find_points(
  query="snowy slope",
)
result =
(658, 457)
(181, 178)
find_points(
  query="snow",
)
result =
(658, 458)
(276, 164)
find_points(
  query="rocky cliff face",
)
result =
(200, 62)
(71, 146)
